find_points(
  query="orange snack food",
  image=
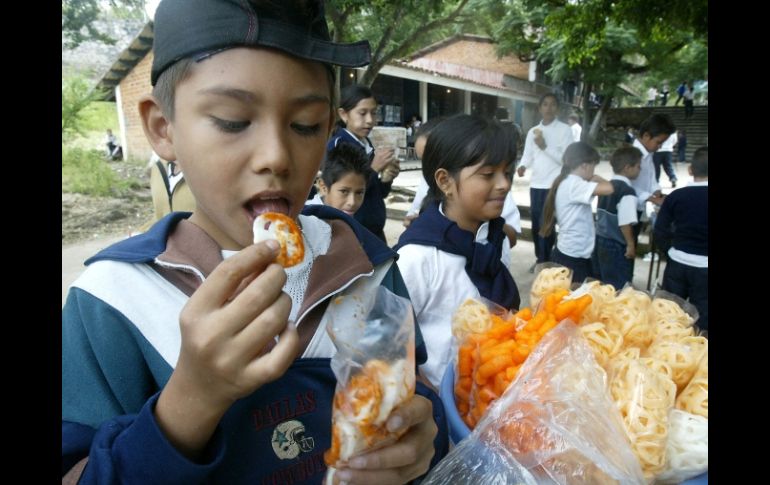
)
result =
(282, 228)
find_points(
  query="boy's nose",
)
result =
(271, 153)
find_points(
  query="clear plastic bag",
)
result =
(555, 422)
(373, 331)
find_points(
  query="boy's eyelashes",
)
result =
(230, 126)
(306, 130)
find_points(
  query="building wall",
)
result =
(132, 87)
(480, 55)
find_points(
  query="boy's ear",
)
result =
(157, 127)
(322, 188)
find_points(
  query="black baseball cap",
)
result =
(185, 28)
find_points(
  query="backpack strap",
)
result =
(164, 176)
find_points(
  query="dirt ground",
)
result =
(87, 217)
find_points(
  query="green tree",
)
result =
(602, 42)
(394, 28)
(78, 19)
(76, 95)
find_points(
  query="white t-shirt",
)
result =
(668, 145)
(575, 217)
(645, 184)
(546, 164)
(627, 205)
(577, 130)
(438, 284)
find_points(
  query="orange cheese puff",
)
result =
(282, 228)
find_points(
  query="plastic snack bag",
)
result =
(373, 331)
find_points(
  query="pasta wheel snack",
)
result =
(600, 294)
(472, 316)
(282, 228)
(695, 397)
(628, 313)
(605, 343)
(687, 449)
(644, 397)
(669, 311)
(547, 281)
(683, 356)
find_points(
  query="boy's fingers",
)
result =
(230, 273)
(265, 327)
(262, 292)
(273, 365)
(414, 411)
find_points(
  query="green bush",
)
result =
(87, 172)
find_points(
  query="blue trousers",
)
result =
(692, 284)
(543, 245)
(663, 158)
(614, 267)
(582, 268)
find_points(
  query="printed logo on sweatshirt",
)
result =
(289, 440)
(284, 409)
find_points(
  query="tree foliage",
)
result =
(394, 28)
(79, 19)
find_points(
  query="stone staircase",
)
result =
(697, 126)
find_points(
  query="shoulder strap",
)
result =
(164, 176)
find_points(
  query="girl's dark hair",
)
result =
(350, 97)
(462, 141)
(574, 156)
(425, 128)
(341, 160)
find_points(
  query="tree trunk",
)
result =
(597, 121)
(587, 88)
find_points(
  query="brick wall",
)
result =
(132, 87)
(480, 55)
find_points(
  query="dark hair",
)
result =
(462, 141)
(425, 128)
(574, 156)
(548, 95)
(341, 160)
(700, 162)
(350, 96)
(625, 156)
(657, 124)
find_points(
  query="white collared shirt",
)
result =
(645, 184)
(626, 205)
(546, 164)
(438, 284)
(575, 217)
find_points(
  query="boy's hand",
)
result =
(408, 219)
(226, 326)
(402, 461)
(229, 320)
(656, 199)
(630, 252)
(521, 170)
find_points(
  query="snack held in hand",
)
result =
(282, 228)
(361, 409)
